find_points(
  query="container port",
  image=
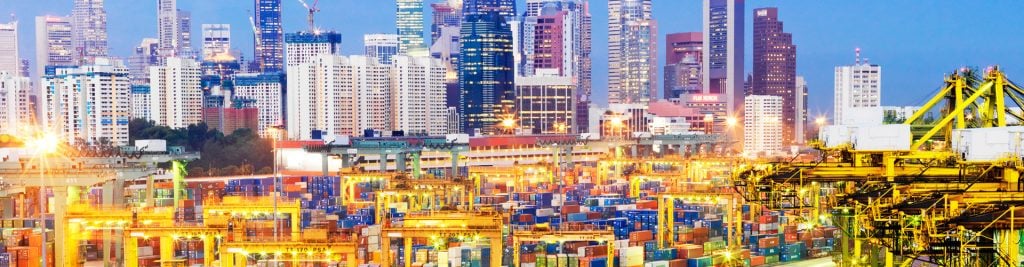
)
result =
(864, 196)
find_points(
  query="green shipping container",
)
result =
(771, 259)
(542, 260)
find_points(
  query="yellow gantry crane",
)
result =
(601, 236)
(464, 225)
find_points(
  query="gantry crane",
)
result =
(237, 253)
(605, 237)
(925, 203)
(444, 225)
(220, 214)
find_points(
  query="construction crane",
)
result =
(312, 12)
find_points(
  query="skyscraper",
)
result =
(723, 52)
(185, 35)
(9, 61)
(505, 8)
(409, 14)
(486, 71)
(176, 98)
(15, 109)
(684, 55)
(800, 129)
(53, 43)
(447, 13)
(381, 46)
(270, 36)
(858, 85)
(556, 36)
(140, 101)
(301, 47)
(144, 56)
(168, 28)
(546, 104)
(632, 52)
(216, 40)
(89, 20)
(775, 67)
(88, 103)
(762, 125)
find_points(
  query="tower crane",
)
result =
(312, 12)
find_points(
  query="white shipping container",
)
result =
(144, 251)
(631, 256)
(545, 212)
(835, 135)
(980, 144)
(151, 145)
(882, 137)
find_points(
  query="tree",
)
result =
(240, 152)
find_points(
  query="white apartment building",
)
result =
(176, 98)
(856, 86)
(15, 109)
(762, 125)
(345, 95)
(140, 101)
(321, 98)
(266, 89)
(88, 103)
(418, 95)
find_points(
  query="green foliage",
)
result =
(242, 152)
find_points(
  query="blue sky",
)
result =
(916, 42)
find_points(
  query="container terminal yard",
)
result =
(942, 192)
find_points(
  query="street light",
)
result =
(509, 124)
(44, 144)
(278, 129)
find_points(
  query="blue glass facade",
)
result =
(270, 45)
(486, 73)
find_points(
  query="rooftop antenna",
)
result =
(857, 50)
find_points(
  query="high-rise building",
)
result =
(144, 56)
(89, 20)
(185, 35)
(447, 13)
(418, 95)
(381, 46)
(266, 90)
(723, 52)
(556, 36)
(762, 125)
(505, 8)
(800, 129)
(486, 71)
(409, 14)
(216, 40)
(9, 61)
(15, 108)
(684, 53)
(546, 104)
(54, 43)
(176, 97)
(632, 52)
(301, 47)
(323, 95)
(140, 101)
(857, 86)
(775, 67)
(88, 104)
(168, 28)
(270, 36)
(228, 119)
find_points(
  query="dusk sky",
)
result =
(916, 42)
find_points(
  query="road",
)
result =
(819, 262)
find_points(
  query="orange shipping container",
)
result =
(756, 261)
(690, 251)
(640, 236)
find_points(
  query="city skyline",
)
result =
(908, 53)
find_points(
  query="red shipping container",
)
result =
(690, 251)
(528, 257)
(686, 238)
(647, 204)
(593, 215)
(768, 242)
(790, 237)
(677, 263)
(744, 254)
(594, 251)
(639, 236)
(567, 209)
(756, 261)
